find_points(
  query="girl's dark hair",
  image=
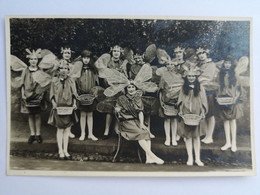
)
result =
(92, 66)
(186, 87)
(231, 72)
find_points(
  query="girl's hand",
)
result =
(117, 109)
(54, 105)
(74, 106)
(23, 97)
(202, 115)
(142, 126)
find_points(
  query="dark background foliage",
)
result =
(222, 37)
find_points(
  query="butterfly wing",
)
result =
(150, 53)
(162, 56)
(242, 65)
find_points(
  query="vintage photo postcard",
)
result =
(129, 96)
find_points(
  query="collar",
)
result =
(206, 61)
(191, 86)
(33, 69)
(115, 60)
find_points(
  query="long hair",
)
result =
(92, 66)
(231, 73)
(186, 87)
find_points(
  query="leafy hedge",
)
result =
(98, 35)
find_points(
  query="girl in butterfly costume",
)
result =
(170, 85)
(106, 62)
(52, 63)
(63, 93)
(33, 83)
(231, 86)
(150, 100)
(192, 100)
(86, 76)
(129, 107)
(208, 77)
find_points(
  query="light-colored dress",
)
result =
(63, 91)
(107, 105)
(85, 84)
(234, 111)
(129, 119)
(189, 104)
(32, 91)
(170, 84)
(209, 72)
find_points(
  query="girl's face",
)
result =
(139, 59)
(170, 66)
(179, 55)
(64, 72)
(191, 78)
(33, 61)
(66, 55)
(202, 56)
(131, 89)
(86, 60)
(227, 64)
(116, 53)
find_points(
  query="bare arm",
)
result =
(22, 93)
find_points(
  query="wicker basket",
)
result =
(225, 100)
(86, 99)
(169, 110)
(64, 110)
(191, 119)
(32, 103)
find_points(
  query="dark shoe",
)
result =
(38, 139)
(61, 156)
(104, 137)
(31, 139)
(68, 157)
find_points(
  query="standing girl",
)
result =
(66, 58)
(85, 83)
(114, 62)
(208, 73)
(192, 100)
(170, 85)
(229, 88)
(63, 94)
(32, 82)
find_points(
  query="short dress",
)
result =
(129, 120)
(63, 91)
(150, 100)
(170, 93)
(233, 111)
(32, 91)
(209, 71)
(108, 104)
(189, 104)
(85, 84)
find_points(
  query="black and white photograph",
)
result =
(129, 96)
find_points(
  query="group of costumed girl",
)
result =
(183, 92)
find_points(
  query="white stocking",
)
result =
(59, 139)
(188, 144)
(66, 140)
(109, 118)
(83, 122)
